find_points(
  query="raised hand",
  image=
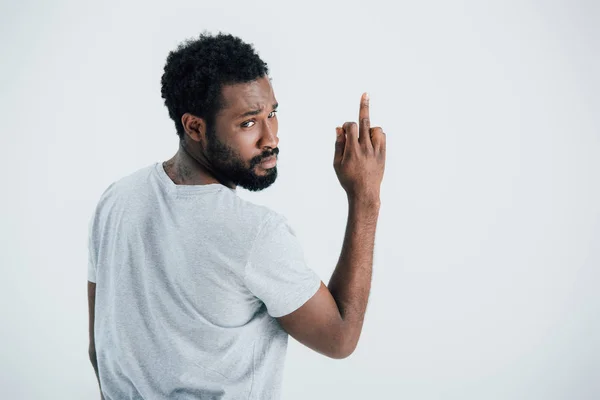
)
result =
(359, 160)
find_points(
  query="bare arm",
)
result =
(350, 282)
(91, 289)
(331, 321)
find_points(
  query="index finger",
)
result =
(363, 117)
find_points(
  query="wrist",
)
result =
(371, 203)
(371, 199)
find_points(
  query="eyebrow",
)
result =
(256, 112)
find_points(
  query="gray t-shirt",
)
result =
(189, 280)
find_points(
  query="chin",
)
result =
(260, 182)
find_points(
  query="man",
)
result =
(192, 290)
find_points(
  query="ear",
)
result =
(195, 127)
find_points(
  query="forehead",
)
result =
(242, 97)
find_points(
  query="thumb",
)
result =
(340, 143)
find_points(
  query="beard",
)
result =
(230, 165)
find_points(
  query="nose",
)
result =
(269, 136)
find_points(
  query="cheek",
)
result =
(245, 146)
(246, 142)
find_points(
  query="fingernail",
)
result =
(366, 96)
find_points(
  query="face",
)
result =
(244, 134)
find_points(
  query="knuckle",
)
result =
(378, 131)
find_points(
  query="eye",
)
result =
(246, 124)
(272, 114)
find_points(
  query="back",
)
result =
(189, 279)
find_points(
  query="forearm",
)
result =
(350, 282)
(94, 362)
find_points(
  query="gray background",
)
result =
(487, 257)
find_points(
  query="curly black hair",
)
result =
(196, 71)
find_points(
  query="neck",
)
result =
(186, 169)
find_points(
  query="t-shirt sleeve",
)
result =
(276, 272)
(91, 253)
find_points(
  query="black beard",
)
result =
(228, 163)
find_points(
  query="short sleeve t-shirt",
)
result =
(189, 281)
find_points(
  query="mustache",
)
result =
(264, 156)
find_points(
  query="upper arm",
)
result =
(91, 290)
(277, 274)
(318, 325)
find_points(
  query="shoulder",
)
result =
(251, 213)
(131, 183)
(254, 220)
(128, 184)
(123, 188)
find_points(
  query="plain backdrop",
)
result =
(487, 263)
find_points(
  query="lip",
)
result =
(269, 162)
